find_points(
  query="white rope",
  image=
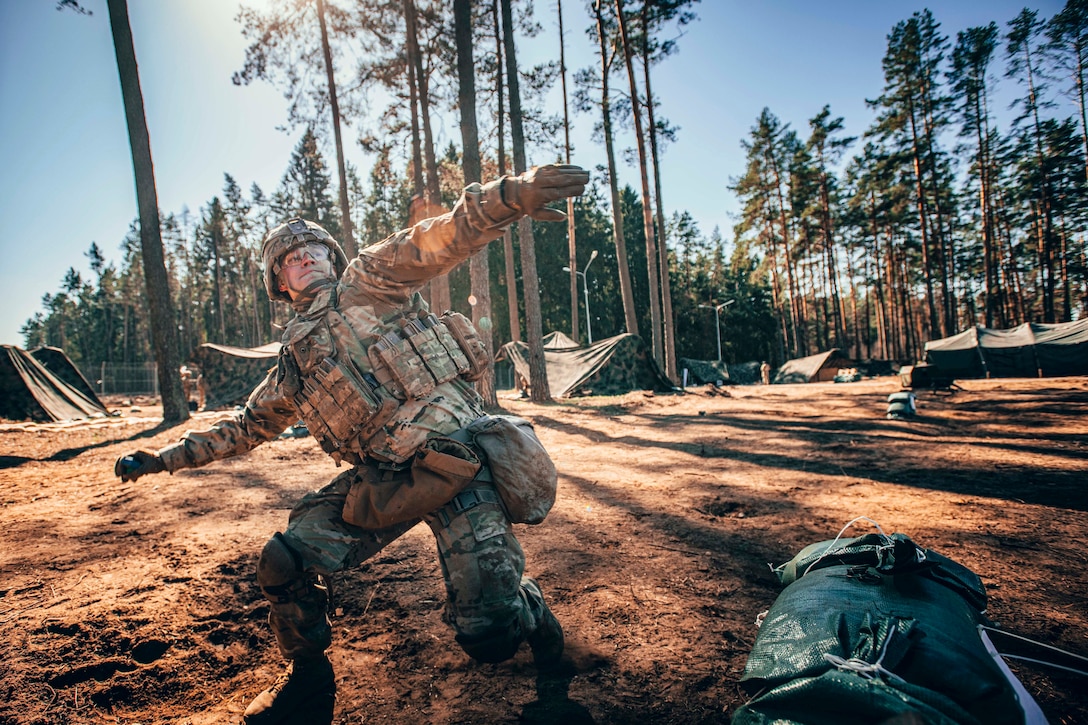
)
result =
(1044, 662)
(1038, 644)
(831, 546)
(867, 670)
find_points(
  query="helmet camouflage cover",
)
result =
(287, 236)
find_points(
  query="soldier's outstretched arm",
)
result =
(266, 414)
(397, 266)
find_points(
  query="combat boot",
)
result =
(547, 641)
(304, 694)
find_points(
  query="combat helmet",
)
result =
(282, 239)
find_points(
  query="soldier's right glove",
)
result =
(531, 191)
(137, 464)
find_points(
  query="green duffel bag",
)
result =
(871, 628)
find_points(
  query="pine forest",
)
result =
(948, 211)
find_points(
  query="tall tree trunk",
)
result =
(626, 291)
(432, 204)
(647, 208)
(923, 223)
(507, 235)
(572, 246)
(345, 210)
(797, 318)
(164, 339)
(1078, 79)
(217, 240)
(478, 269)
(539, 391)
(668, 320)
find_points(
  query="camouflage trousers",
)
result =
(482, 564)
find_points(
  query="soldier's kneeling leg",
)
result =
(493, 646)
(299, 611)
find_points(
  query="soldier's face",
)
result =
(303, 266)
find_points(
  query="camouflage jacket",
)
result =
(366, 365)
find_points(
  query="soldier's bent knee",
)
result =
(279, 570)
(494, 646)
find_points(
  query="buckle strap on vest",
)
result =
(467, 499)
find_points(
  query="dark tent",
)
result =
(819, 368)
(613, 366)
(55, 361)
(1027, 351)
(704, 372)
(28, 391)
(231, 373)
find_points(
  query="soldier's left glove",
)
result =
(531, 191)
(137, 464)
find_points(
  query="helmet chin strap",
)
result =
(305, 297)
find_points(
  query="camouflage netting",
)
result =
(705, 372)
(613, 366)
(231, 373)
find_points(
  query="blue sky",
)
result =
(68, 170)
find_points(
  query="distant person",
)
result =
(383, 384)
(765, 373)
(190, 387)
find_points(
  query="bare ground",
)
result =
(136, 603)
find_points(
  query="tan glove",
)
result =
(137, 464)
(540, 185)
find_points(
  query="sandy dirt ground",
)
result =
(137, 603)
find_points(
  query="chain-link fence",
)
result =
(127, 379)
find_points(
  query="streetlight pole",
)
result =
(717, 322)
(585, 288)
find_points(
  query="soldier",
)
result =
(383, 384)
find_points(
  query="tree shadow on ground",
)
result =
(1028, 484)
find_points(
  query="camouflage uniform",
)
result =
(338, 334)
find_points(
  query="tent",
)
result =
(704, 372)
(1029, 350)
(612, 366)
(558, 341)
(231, 373)
(55, 361)
(29, 391)
(818, 368)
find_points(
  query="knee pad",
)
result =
(279, 570)
(494, 646)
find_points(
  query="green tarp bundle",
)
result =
(1028, 351)
(29, 391)
(871, 628)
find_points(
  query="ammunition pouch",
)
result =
(426, 352)
(387, 494)
(472, 345)
(338, 405)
